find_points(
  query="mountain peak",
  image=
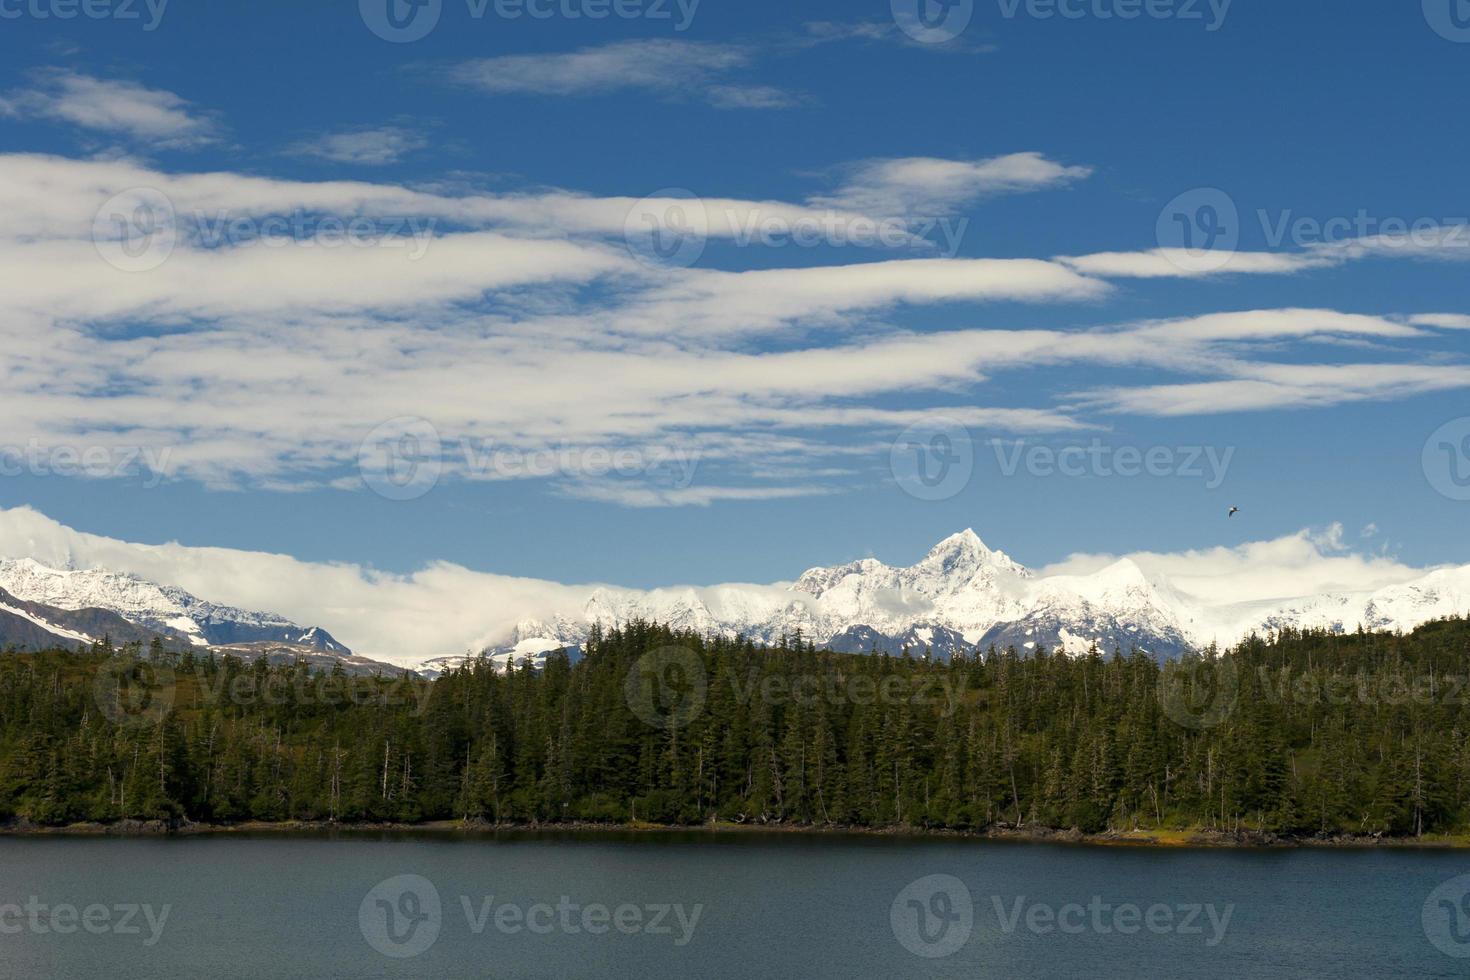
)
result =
(966, 554)
(965, 542)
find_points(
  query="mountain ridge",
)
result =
(149, 608)
(960, 598)
(963, 597)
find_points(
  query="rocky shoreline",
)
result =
(1196, 838)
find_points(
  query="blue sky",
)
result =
(787, 372)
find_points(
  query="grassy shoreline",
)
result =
(1148, 838)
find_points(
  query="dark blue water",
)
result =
(697, 906)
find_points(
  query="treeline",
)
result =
(1302, 733)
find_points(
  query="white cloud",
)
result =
(1166, 263)
(1275, 386)
(675, 69)
(1448, 242)
(822, 31)
(933, 187)
(366, 147)
(696, 496)
(401, 619)
(1234, 586)
(1443, 321)
(827, 32)
(750, 97)
(521, 319)
(152, 117)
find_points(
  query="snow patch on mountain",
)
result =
(60, 631)
(164, 609)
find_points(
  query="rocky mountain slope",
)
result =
(165, 610)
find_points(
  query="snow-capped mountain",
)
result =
(960, 598)
(964, 597)
(33, 624)
(167, 611)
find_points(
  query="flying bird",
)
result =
(1233, 512)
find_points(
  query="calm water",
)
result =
(692, 906)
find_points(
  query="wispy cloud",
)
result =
(269, 367)
(933, 186)
(373, 146)
(121, 108)
(1447, 242)
(696, 496)
(883, 31)
(669, 68)
(1443, 321)
(750, 97)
